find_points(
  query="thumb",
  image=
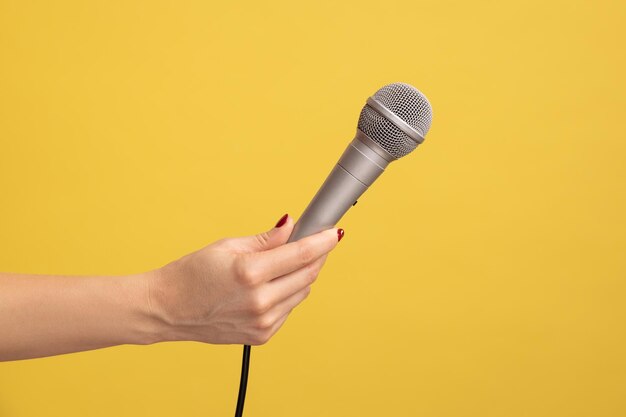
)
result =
(270, 239)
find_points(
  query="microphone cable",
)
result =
(243, 382)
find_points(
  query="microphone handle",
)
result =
(359, 166)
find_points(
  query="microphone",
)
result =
(391, 125)
(393, 122)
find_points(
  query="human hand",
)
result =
(238, 290)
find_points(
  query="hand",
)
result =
(239, 290)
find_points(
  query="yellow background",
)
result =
(482, 275)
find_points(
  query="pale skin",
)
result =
(234, 291)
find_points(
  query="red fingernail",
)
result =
(339, 235)
(282, 221)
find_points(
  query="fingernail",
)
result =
(339, 235)
(282, 221)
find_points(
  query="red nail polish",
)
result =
(282, 221)
(339, 235)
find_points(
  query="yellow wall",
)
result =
(483, 275)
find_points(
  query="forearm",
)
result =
(49, 315)
(236, 290)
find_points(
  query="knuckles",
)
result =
(263, 239)
(263, 322)
(245, 273)
(259, 304)
(261, 337)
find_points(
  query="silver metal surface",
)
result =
(334, 198)
(406, 103)
(374, 146)
(392, 123)
(412, 133)
(362, 163)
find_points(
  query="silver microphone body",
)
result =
(391, 125)
(359, 166)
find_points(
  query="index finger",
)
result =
(290, 257)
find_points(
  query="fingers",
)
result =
(269, 323)
(267, 265)
(270, 239)
(266, 297)
(288, 304)
(274, 300)
(279, 323)
(283, 287)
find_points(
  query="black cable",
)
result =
(243, 383)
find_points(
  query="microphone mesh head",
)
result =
(406, 102)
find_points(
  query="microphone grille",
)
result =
(406, 102)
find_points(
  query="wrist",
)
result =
(159, 299)
(152, 326)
